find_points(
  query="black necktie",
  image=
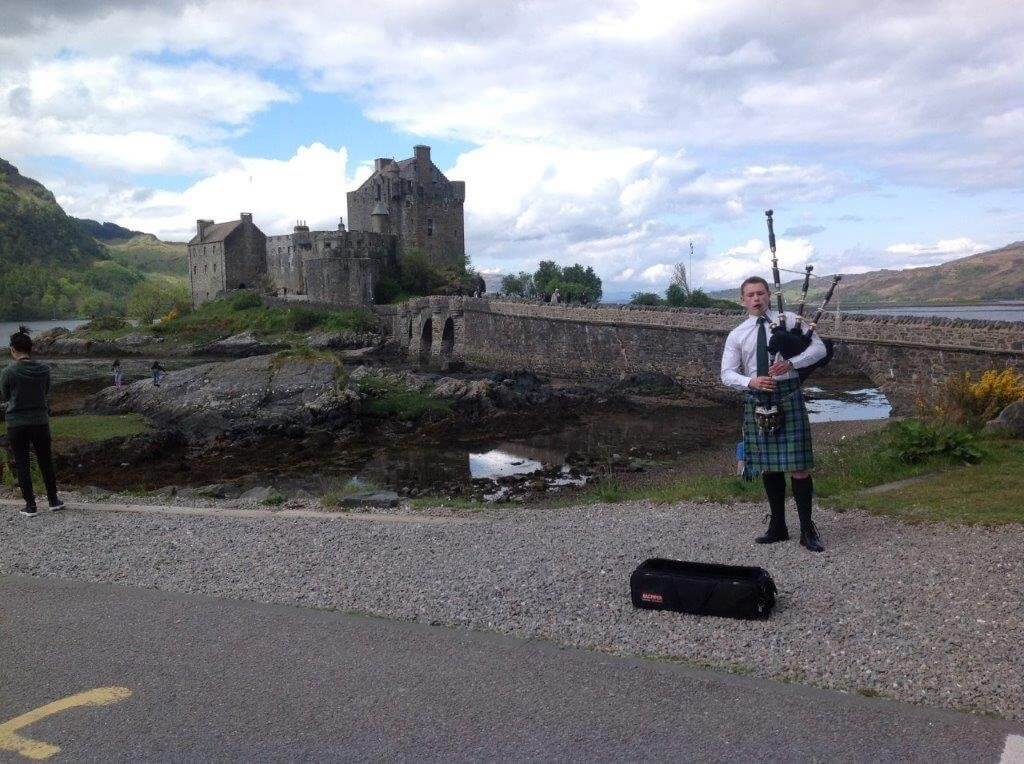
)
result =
(762, 347)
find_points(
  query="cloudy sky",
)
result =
(609, 133)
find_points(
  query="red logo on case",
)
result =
(651, 597)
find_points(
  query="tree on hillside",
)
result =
(518, 285)
(675, 296)
(645, 298)
(150, 300)
(679, 279)
(574, 282)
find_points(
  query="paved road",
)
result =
(229, 680)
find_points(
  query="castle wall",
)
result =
(284, 265)
(245, 257)
(342, 281)
(206, 271)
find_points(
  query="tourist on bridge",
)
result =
(24, 387)
(776, 429)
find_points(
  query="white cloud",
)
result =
(122, 113)
(857, 76)
(933, 254)
(753, 258)
(310, 185)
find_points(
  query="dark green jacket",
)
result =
(24, 386)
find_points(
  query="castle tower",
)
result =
(424, 209)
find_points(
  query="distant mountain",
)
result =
(105, 231)
(988, 276)
(33, 227)
(51, 266)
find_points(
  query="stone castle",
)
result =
(404, 206)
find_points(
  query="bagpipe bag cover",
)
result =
(702, 588)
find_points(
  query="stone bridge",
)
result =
(905, 357)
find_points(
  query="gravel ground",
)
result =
(928, 614)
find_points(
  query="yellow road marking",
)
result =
(35, 749)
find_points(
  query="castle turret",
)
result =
(380, 220)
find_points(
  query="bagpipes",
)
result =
(792, 341)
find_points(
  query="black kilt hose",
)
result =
(789, 449)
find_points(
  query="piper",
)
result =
(776, 428)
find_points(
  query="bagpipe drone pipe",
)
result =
(790, 342)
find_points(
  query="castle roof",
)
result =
(216, 232)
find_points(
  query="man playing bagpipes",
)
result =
(767, 357)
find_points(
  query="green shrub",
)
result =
(244, 301)
(915, 441)
(150, 300)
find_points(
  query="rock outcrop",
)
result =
(256, 394)
(1010, 420)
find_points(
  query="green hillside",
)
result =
(987, 276)
(53, 268)
(149, 255)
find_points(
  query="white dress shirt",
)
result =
(739, 361)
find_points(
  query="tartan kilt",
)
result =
(786, 451)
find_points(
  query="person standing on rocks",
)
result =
(118, 374)
(771, 452)
(24, 387)
(158, 373)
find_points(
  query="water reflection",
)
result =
(495, 464)
(846, 405)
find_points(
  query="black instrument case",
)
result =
(703, 588)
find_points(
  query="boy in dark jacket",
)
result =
(24, 387)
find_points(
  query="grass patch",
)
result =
(985, 493)
(245, 312)
(334, 496)
(393, 399)
(93, 428)
(274, 501)
(469, 505)
(67, 430)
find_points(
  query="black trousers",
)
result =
(36, 436)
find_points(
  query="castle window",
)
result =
(215, 267)
(430, 226)
(206, 268)
(195, 269)
(378, 192)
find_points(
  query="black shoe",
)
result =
(774, 535)
(809, 538)
(29, 511)
(58, 506)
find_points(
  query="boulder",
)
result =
(260, 394)
(258, 494)
(343, 340)
(241, 345)
(1010, 420)
(137, 339)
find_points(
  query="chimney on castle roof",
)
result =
(341, 224)
(201, 226)
(245, 217)
(379, 162)
(422, 154)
